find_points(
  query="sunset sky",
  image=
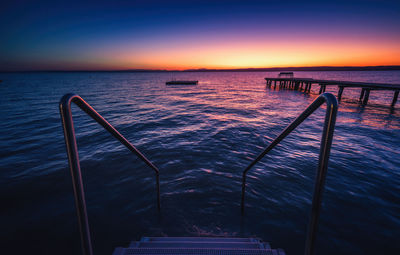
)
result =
(115, 35)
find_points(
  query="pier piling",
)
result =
(395, 96)
(366, 96)
(362, 95)
(341, 88)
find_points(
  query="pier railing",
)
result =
(326, 142)
(74, 164)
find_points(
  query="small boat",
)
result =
(181, 82)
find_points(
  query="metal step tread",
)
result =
(196, 251)
(199, 239)
(202, 244)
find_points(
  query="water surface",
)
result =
(201, 138)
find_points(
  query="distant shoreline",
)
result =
(270, 69)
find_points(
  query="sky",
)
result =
(178, 35)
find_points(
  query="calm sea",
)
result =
(201, 138)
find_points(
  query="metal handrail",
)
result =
(326, 142)
(74, 165)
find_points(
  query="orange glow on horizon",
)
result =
(246, 54)
(230, 54)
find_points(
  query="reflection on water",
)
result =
(201, 137)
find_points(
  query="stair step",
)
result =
(203, 244)
(195, 251)
(200, 239)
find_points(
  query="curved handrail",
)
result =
(74, 165)
(326, 142)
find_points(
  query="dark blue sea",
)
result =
(201, 138)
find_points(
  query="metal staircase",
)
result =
(198, 245)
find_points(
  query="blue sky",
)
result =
(41, 35)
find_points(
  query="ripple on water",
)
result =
(201, 138)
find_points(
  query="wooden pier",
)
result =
(305, 84)
(181, 82)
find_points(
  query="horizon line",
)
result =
(250, 69)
